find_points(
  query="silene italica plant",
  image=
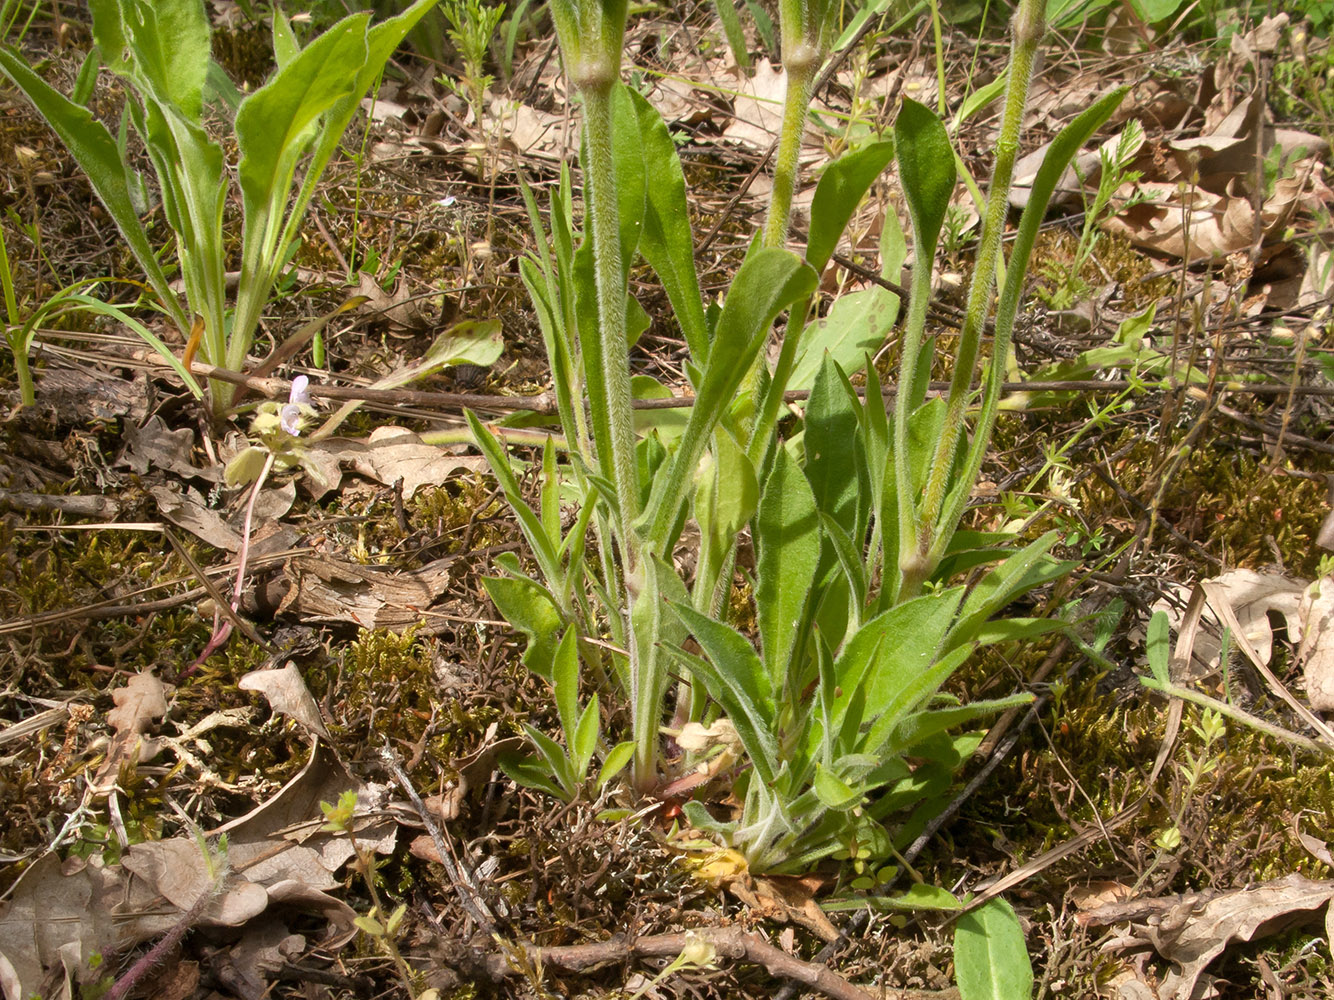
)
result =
(838, 729)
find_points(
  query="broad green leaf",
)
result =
(905, 693)
(895, 648)
(787, 540)
(163, 46)
(990, 954)
(726, 498)
(94, 149)
(666, 242)
(926, 169)
(565, 681)
(842, 186)
(668, 422)
(471, 342)
(855, 326)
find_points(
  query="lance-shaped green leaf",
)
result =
(926, 167)
(544, 549)
(767, 283)
(842, 186)
(1028, 568)
(787, 539)
(666, 242)
(94, 149)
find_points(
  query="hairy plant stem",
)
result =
(801, 63)
(591, 34)
(1028, 27)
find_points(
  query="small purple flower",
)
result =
(290, 415)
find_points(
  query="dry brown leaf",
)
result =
(1315, 651)
(398, 307)
(758, 107)
(1193, 929)
(155, 446)
(531, 131)
(326, 590)
(389, 454)
(1252, 596)
(176, 869)
(286, 692)
(187, 510)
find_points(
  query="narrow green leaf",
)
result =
(565, 682)
(990, 954)
(768, 281)
(631, 176)
(555, 758)
(1158, 646)
(735, 678)
(584, 739)
(531, 525)
(922, 725)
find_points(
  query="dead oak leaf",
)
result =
(139, 704)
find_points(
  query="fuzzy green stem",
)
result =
(802, 62)
(1028, 28)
